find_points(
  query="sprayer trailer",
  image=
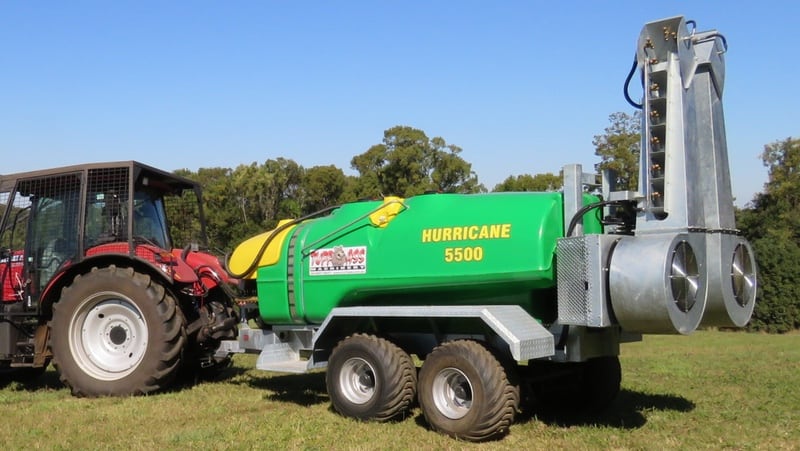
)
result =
(491, 293)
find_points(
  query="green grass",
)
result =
(712, 390)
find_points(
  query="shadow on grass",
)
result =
(30, 380)
(193, 376)
(303, 389)
(27, 379)
(626, 412)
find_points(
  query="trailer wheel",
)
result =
(466, 392)
(370, 378)
(116, 332)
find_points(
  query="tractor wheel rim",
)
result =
(452, 393)
(357, 380)
(109, 336)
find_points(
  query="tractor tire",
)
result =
(116, 332)
(370, 378)
(466, 392)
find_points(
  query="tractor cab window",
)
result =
(149, 219)
(105, 218)
(14, 220)
(52, 234)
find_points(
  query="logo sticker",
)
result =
(338, 260)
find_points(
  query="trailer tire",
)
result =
(465, 391)
(116, 332)
(370, 378)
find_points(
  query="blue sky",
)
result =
(521, 87)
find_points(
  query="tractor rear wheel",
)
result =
(370, 378)
(466, 392)
(116, 332)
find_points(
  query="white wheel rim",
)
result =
(357, 380)
(452, 393)
(108, 336)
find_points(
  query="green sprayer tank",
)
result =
(445, 249)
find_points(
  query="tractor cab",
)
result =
(60, 217)
(84, 252)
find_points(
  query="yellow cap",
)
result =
(392, 206)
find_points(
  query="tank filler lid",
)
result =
(392, 206)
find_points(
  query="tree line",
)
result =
(250, 199)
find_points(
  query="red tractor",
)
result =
(96, 277)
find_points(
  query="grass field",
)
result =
(710, 390)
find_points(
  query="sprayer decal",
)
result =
(338, 260)
(467, 233)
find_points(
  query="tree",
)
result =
(527, 182)
(226, 220)
(407, 163)
(323, 186)
(778, 304)
(619, 149)
(369, 165)
(247, 200)
(285, 188)
(782, 197)
(771, 224)
(449, 172)
(268, 192)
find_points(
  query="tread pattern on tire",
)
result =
(501, 392)
(163, 361)
(400, 379)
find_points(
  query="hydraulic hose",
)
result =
(625, 88)
(587, 208)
